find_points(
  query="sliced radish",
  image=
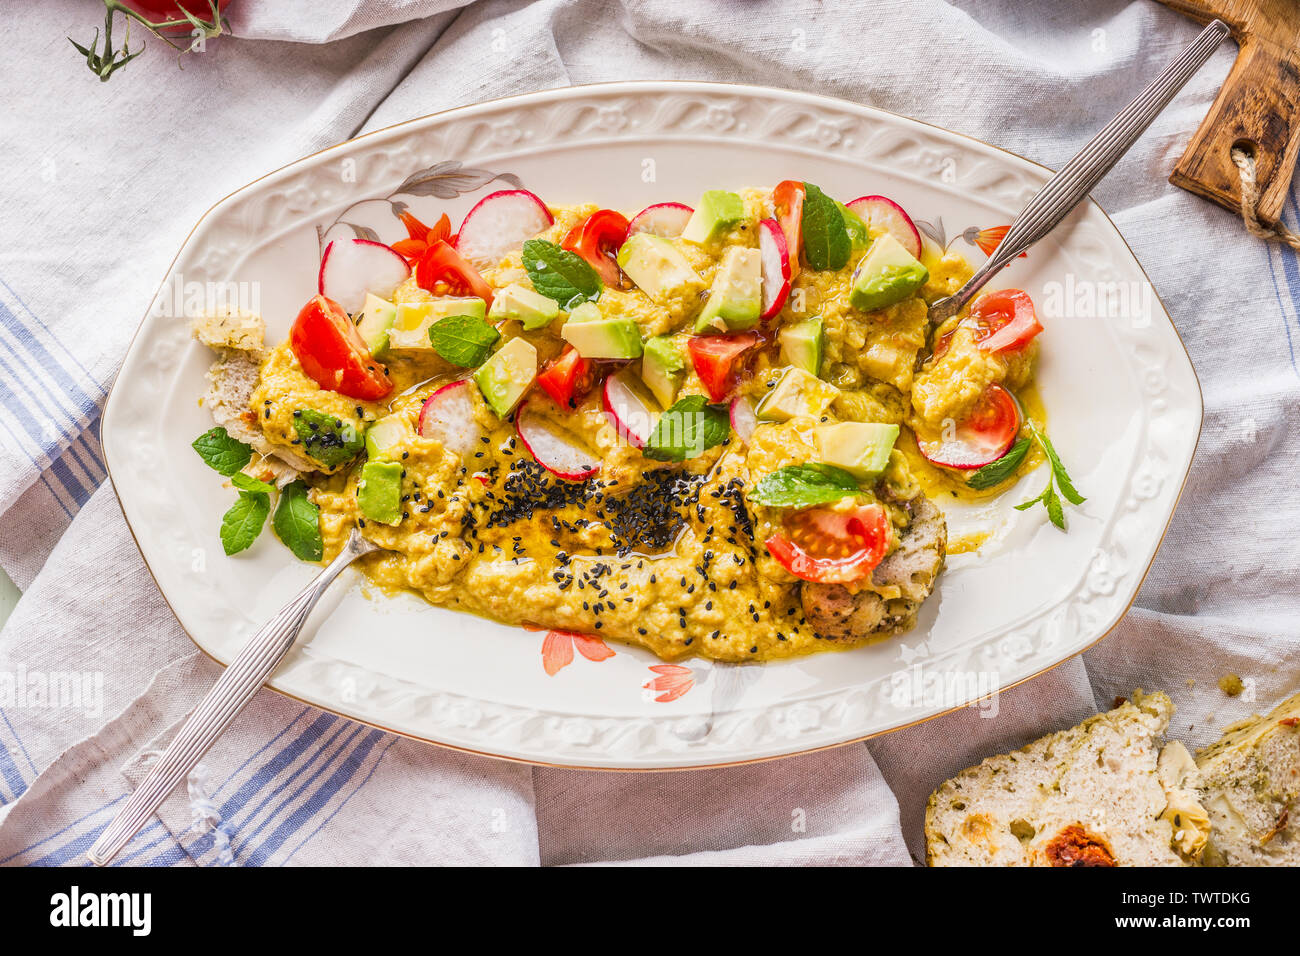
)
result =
(666, 219)
(775, 254)
(448, 417)
(630, 407)
(352, 267)
(884, 215)
(982, 438)
(555, 449)
(499, 224)
(743, 419)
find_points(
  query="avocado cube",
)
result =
(505, 376)
(662, 368)
(595, 336)
(391, 431)
(525, 305)
(887, 274)
(379, 492)
(860, 448)
(656, 266)
(377, 317)
(411, 329)
(716, 214)
(737, 297)
(855, 227)
(796, 395)
(802, 344)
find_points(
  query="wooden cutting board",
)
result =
(1258, 107)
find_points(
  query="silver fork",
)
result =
(238, 683)
(1072, 184)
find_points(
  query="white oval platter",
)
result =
(1123, 402)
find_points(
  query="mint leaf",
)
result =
(560, 274)
(248, 483)
(1058, 469)
(297, 523)
(1054, 511)
(801, 486)
(243, 522)
(826, 243)
(222, 453)
(686, 429)
(1026, 505)
(463, 340)
(329, 440)
(999, 471)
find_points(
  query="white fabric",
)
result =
(104, 182)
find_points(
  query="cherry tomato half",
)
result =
(787, 200)
(444, 270)
(332, 353)
(1004, 320)
(829, 546)
(982, 438)
(597, 239)
(566, 377)
(716, 360)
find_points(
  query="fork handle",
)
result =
(233, 690)
(1072, 184)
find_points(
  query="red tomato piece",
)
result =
(332, 353)
(829, 546)
(420, 235)
(982, 438)
(598, 239)
(444, 270)
(1005, 320)
(716, 360)
(566, 377)
(787, 199)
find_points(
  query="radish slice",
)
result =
(499, 224)
(884, 215)
(352, 267)
(666, 219)
(982, 438)
(448, 417)
(555, 449)
(630, 407)
(775, 255)
(743, 419)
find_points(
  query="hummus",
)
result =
(666, 555)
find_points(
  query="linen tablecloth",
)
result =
(102, 184)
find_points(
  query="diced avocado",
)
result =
(662, 368)
(389, 432)
(860, 448)
(887, 274)
(411, 330)
(379, 491)
(656, 266)
(802, 344)
(521, 303)
(597, 337)
(737, 297)
(796, 394)
(717, 212)
(377, 317)
(856, 228)
(505, 376)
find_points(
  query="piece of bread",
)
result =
(237, 339)
(1250, 782)
(1088, 796)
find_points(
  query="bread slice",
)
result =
(1088, 796)
(237, 337)
(1250, 784)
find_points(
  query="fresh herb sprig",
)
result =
(686, 429)
(560, 274)
(463, 340)
(297, 519)
(1058, 478)
(802, 486)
